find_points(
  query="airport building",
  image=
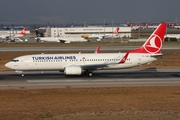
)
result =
(79, 31)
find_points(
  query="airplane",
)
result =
(101, 36)
(13, 36)
(86, 63)
(177, 36)
(61, 39)
(64, 39)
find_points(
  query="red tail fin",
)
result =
(116, 31)
(23, 31)
(154, 42)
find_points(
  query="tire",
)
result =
(90, 74)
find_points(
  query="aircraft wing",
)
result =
(64, 40)
(93, 67)
(61, 40)
(101, 37)
(104, 65)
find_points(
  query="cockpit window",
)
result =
(15, 60)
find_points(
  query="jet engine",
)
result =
(73, 70)
(85, 36)
(11, 38)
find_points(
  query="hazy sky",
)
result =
(90, 11)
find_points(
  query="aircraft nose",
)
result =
(8, 65)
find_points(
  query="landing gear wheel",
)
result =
(90, 74)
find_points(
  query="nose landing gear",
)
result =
(20, 72)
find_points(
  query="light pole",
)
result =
(104, 26)
(112, 30)
(139, 29)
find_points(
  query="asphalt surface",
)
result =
(113, 78)
(9, 49)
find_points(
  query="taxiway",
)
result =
(10, 49)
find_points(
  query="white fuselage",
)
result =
(3, 36)
(72, 39)
(84, 61)
(48, 39)
(62, 39)
(102, 36)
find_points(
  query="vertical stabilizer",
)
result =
(153, 44)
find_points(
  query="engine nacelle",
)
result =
(10, 38)
(73, 70)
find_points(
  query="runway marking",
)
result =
(80, 84)
(44, 81)
(103, 80)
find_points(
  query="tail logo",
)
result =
(23, 31)
(116, 31)
(154, 44)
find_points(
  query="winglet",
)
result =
(124, 58)
(97, 50)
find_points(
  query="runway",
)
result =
(115, 78)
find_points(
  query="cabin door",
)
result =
(139, 60)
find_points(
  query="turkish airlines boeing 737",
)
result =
(76, 64)
(61, 39)
(15, 35)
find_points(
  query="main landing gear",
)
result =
(88, 73)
